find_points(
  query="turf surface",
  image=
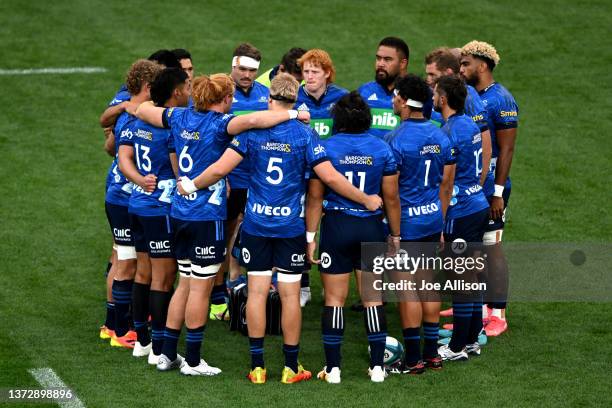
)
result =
(555, 59)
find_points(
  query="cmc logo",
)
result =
(325, 260)
(298, 258)
(159, 245)
(205, 250)
(246, 255)
(122, 233)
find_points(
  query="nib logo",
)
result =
(373, 97)
(322, 129)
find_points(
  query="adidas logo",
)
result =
(372, 97)
(234, 100)
(303, 107)
(263, 99)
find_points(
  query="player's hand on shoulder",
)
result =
(304, 116)
(150, 183)
(373, 202)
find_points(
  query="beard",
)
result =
(384, 78)
(471, 80)
(437, 108)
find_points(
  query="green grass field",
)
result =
(555, 59)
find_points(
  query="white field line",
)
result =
(49, 379)
(48, 71)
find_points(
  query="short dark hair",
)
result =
(444, 59)
(351, 114)
(454, 89)
(181, 53)
(413, 87)
(166, 58)
(490, 63)
(397, 43)
(247, 50)
(289, 60)
(165, 83)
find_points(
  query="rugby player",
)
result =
(477, 63)
(138, 81)
(391, 62)
(288, 64)
(317, 95)
(200, 135)
(443, 61)
(121, 100)
(184, 58)
(468, 212)
(250, 96)
(424, 157)
(368, 163)
(446, 61)
(273, 233)
(144, 160)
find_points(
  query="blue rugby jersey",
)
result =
(421, 150)
(119, 188)
(280, 157)
(465, 137)
(255, 99)
(502, 114)
(200, 138)
(320, 110)
(364, 160)
(473, 108)
(122, 95)
(151, 152)
(380, 101)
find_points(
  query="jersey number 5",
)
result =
(274, 169)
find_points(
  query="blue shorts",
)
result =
(341, 238)
(470, 228)
(494, 225)
(263, 253)
(202, 242)
(119, 221)
(152, 235)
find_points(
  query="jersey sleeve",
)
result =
(120, 96)
(397, 154)
(239, 144)
(390, 168)
(171, 116)
(450, 150)
(221, 127)
(315, 151)
(506, 114)
(125, 137)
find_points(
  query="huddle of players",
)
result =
(416, 165)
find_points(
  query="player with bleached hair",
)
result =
(200, 136)
(478, 61)
(273, 232)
